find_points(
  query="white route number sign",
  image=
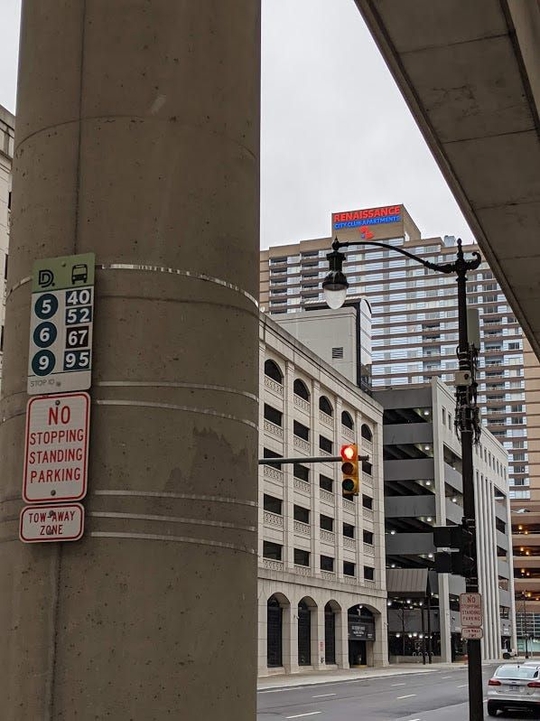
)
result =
(61, 322)
(56, 448)
(470, 610)
(43, 524)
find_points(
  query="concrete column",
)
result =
(342, 637)
(317, 637)
(262, 655)
(138, 138)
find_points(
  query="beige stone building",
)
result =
(322, 586)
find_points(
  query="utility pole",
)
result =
(467, 422)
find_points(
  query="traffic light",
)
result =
(349, 469)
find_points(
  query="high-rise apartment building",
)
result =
(414, 315)
(7, 134)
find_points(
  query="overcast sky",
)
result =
(336, 134)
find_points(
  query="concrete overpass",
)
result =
(470, 74)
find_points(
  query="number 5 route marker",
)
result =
(60, 354)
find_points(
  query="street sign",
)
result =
(472, 634)
(60, 354)
(56, 448)
(43, 524)
(470, 610)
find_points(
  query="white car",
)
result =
(514, 686)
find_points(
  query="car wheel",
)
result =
(492, 708)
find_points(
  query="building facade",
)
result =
(7, 134)
(423, 489)
(322, 585)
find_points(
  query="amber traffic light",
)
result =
(349, 469)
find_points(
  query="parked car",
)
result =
(514, 686)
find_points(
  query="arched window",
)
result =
(366, 432)
(274, 631)
(273, 371)
(346, 420)
(325, 406)
(301, 389)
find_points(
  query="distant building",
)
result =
(424, 488)
(322, 579)
(7, 134)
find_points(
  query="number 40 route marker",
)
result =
(60, 354)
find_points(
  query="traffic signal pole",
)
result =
(467, 422)
(467, 425)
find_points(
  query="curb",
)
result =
(296, 682)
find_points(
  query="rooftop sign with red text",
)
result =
(366, 217)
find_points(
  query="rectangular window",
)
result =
(301, 472)
(349, 568)
(273, 415)
(348, 530)
(337, 352)
(327, 563)
(367, 468)
(301, 514)
(368, 537)
(325, 444)
(267, 453)
(369, 573)
(327, 522)
(273, 504)
(326, 483)
(301, 557)
(272, 550)
(300, 430)
(367, 501)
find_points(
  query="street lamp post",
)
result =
(524, 626)
(467, 422)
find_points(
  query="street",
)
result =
(437, 696)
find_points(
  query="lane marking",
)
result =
(445, 677)
(322, 695)
(414, 719)
(399, 684)
(301, 715)
(409, 695)
(463, 685)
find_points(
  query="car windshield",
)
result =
(517, 672)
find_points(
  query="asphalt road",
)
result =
(437, 696)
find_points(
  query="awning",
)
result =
(407, 582)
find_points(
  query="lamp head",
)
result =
(335, 284)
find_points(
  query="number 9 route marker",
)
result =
(62, 314)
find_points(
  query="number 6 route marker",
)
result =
(60, 354)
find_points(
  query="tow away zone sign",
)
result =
(43, 524)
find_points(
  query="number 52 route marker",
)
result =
(60, 353)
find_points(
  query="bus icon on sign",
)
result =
(79, 273)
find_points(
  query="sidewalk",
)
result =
(354, 674)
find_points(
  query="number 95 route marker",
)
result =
(62, 314)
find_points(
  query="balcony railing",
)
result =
(273, 386)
